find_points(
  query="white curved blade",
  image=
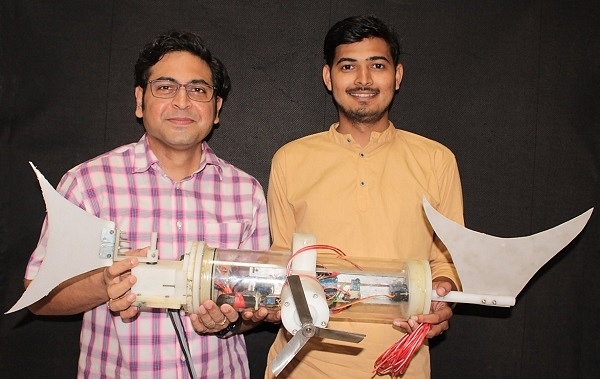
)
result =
(288, 352)
(500, 266)
(74, 239)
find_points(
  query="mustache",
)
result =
(363, 89)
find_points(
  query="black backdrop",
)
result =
(510, 86)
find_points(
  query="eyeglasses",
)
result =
(166, 89)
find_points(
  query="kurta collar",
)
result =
(377, 138)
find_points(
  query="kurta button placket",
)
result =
(362, 191)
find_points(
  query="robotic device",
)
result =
(308, 292)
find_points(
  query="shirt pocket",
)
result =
(227, 235)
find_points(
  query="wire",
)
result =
(223, 287)
(338, 251)
(396, 358)
(180, 331)
(340, 308)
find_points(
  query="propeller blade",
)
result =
(299, 299)
(288, 352)
(339, 335)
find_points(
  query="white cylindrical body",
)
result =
(160, 284)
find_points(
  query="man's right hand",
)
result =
(118, 281)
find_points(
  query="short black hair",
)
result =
(180, 41)
(355, 29)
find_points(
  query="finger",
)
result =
(122, 303)
(208, 320)
(259, 315)
(119, 268)
(120, 288)
(228, 312)
(443, 313)
(206, 325)
(440, 311)
(407, 325)
(403, 326)
(129, 314)
(274, 317)
(438, 329)
(247, 315)
(216, 313)
(442, 288)
(197, 324)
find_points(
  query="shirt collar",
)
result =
(209, 158)
(145, 158)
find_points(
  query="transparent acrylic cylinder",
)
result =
(357, 289)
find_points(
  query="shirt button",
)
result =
(362, 183)
(349, 140)
(179, 225)
(362, 155)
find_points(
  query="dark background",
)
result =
(510, 86)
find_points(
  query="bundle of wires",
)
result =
(336, 250)
(396, 359)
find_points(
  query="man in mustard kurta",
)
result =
(358, 186)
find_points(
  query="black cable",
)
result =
(181, 336)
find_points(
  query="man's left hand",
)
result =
(440, 313)
(210, 318)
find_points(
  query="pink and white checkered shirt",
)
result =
(218, 204)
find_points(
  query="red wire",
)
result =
(223, 287)
(338, 251)
(396, 358)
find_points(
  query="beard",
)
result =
(363, 115)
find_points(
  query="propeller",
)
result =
(307, 329)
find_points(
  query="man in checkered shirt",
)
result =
(172, 183)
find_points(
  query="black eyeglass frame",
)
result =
(186, 86)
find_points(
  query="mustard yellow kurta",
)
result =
(367, 202)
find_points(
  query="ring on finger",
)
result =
(222, 322)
